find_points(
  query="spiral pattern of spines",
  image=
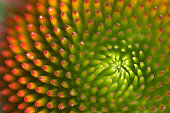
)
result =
(87, 56)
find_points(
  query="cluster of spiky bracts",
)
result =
(84, 56)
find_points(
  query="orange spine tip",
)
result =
(76, 4)
(6, 92)
(108, 9)
(86, 4)
(128, 10)
(116, 15)
(82, 107)
(75, 14)
(79, 25)
(41, 8)
(27, 66)
(93, 109)
(14, 99)
(52, 104)
(62, 106)
(73, 92)
(40, 46)
(12, 40)
(22, 105)
(31, 109)
(72, 58)
(44, 29)
(64, 41)
(30, 8)
(69, 29)
(64, 84)
(9, 78)
(21, 58)
(43, 20)
(75, 37)
(30, 18)
(54, 82)
(10, 31)
(72, 103)
(54, 21)
(119, 4)
(99, 16)
(6, 53)
(41, 90)
(20, 29)
(35, 36)
(11, 63)
(64, 64)
(17, 71)
(77, 67)
(48, 68)
(63, 53)
(52, 93)
(90, 25)
(16, 49)
(44, 79)
(24, 38)
(24, 80)
(35, 73)
(32, 28)
(108, 21)
(41, 102)
(59, 73)
(68, 75)
(87, 15)
(64, 8)
(53, 3)
(18, 19)
(31, 55)
(39, 62)
(101, 27)
(105, 109)
(15, 86)
(140, 8)
(30, 98)
(97, 5)
(26, 46)
(58, 32)
(22, 93)
(32, 85)
(55, 60)
(50, 38)
(62, 94)
(47, 54)
(65, 18)
(52, 11)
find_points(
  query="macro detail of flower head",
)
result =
(86, 56)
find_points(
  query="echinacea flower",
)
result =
(85, 56)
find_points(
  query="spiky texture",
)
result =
(84, 56)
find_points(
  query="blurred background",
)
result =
(2, 10)
(4, 4)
